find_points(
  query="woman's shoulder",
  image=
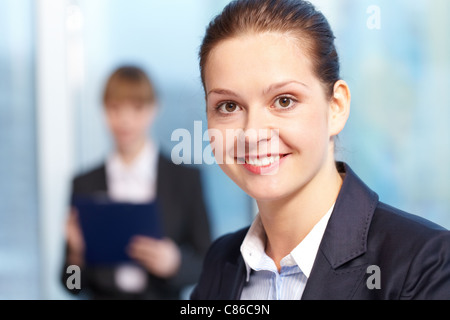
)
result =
(387, 222)
(410, 233)
(412, 249)
(91, 173)
(227, 247)
(90, 180)
(397, 221)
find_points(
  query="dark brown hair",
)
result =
(296, 17)
(129, 83)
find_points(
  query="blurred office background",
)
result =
(55, 56)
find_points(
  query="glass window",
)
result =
(19, 245)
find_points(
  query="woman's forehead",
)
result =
(262, 58)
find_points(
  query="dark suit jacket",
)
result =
(413, 254)
(185, 220)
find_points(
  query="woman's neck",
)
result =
(288, 221)
(129, 153)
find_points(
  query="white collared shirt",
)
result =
(134, 182)
(266, 283)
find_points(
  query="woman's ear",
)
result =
(339, 107)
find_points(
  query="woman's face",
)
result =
(129, 122)
(263, 85)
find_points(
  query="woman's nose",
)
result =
(259, 133)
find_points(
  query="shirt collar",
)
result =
(143, 166)
(253, 246)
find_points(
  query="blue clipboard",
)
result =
(107, 228)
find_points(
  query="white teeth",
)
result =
(262, 162)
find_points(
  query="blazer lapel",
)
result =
(327, 283)
(233, 275)
(340, 265)
(239, 280)
(232, 282)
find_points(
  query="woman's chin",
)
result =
(264, 193)
(259, 187)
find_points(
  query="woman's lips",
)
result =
(263, 165)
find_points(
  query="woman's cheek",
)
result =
(218, 142)
(304, 135)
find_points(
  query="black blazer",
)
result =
(185, 221)
(413, 254)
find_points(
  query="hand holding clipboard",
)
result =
(160, 257)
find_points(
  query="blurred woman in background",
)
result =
(136, 172)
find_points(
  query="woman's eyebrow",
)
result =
(222, 92)
(270, 88)
(279, 85)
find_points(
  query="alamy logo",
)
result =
(229, 146)
(74, 280)
(374, 280)
(374, 20)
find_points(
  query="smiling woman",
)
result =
(271, 67)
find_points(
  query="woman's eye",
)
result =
(228, 107)
(284, 102)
